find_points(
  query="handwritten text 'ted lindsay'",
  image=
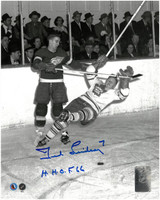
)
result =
(73, 151)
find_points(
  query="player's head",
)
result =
(54, 40)
(110, 83)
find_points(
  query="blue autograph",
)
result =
(72, 152)
(85, 151)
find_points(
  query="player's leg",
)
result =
(59, 97)
(67, 116)
(58, 126)
(57, 108)
(42, 100)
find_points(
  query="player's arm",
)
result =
(90, 78)
(38, 64)
(123, 90)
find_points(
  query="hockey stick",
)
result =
(125, 28)
(76, 72)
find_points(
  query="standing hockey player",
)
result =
(51, 85)
(88, 106)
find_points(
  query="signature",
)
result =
(62, 171)
(87, 150)
(72, 152)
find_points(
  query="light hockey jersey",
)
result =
(99, 99)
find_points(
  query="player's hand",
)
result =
(127, 72)
(101, 61)
(50, 67)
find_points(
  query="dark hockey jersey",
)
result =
(58, 58)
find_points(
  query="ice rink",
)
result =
(130, 140)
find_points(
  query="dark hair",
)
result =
(51, 36)
(96, 43)
(34, 39)
(113, 77)
(91, 35)
(88, 43)
(55, 21)
(130, 44)
(103, 38)
(4, 35)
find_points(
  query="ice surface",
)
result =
(130, 140)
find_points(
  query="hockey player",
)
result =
(88, 106)
(51, 85)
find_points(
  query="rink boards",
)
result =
(18, 87)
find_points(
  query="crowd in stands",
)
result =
(89, 40)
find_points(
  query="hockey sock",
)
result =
(57, 127)
(64, 133)
(85, 114)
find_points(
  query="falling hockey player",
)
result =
(88, 106)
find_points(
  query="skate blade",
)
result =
(38, 138)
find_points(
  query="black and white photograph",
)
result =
(80, 100)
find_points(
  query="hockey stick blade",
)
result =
(136, 76)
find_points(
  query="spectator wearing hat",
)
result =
(77, 27)
(144, 29)
(62, 31)
(17, 30)
(29, 53)
(15, 54)
(110, 24)
(102, 26)
(88, 53)
(35, 28)
(6, 27)
(88, 27)
(5, 56)
(132, 29)
(156, 27)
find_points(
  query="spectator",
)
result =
(77, 27)
(5, 56)
(91, 38)
(35, 28)
(129, 52)
(132, 29)
(29, 53)
(37, 43)
(75, 47)
(150, 48)
(105, 44)
(96, 48)
(102, 26)
(144, 29)
(6, 27)
(46, 24)
(88, 53)
(117, 48)
(110, 24)
(62, 31)
(135, 42)
(17, 30)
(88, 28)
(156, 26)
(14, 55)
(26, 43)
